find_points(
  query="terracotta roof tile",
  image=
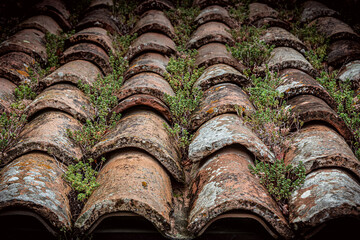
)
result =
(258, 11)
(343, 51)
(55, 9)
(153, 5)
(42, 23)
(6, 94)
(215, 13)
(15, 66)
(98, 18)
(95, 4)
(351, 71)
(313, 10)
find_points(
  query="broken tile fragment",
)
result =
(42, 23)
(89, 52)
(34, 183)
(154, 21)
(211, 32)
(131, 181)
(342, 52)
(319, 146)
(143, 129)
(215, 13)
(220, 99)
(314, 9)
(224, 185)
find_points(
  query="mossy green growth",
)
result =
(182, 74)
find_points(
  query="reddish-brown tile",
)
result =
(260, 10)
(211, 32)
(15, 67)
(96, 4)
(271, 22)
(48, 133)
(42, 23)
(34, 182)
(7, 96)
(216, 53)
(343, 51)
(154, 21)
(64, 97)
(215, 13)
(151, 42)
(134, 182)
(98, 18)
(144, 129)
(220, 99)
(313, 10)
(162, 5)
(89, 52)
(57, 10)
(224, 183)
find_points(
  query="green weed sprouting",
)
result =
(279, 179)
(182, 74)
(249, 48)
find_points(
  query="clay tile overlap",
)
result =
(36, 137)
(146, 83)
(73, 72)
(211, 32)
(57, 10)
(309, 108)
(319, 146)
(215, 13)
(342, 52)
(282, 38)
(151, 42)
(206, 3)
(94, 35)
(296, 82)
(34, 182)
(285, 57)
(335, 29)
(222, 131)
(146, 5)
(313, 10)
(220, 73)
(154, 21)
(131, 181)
(15, 66)
(6, 94)
(42, 23)
(99, 18)
(351, 71)
(326, 194)
(148, 62)
(261, 10)
(224, 183)
(29, 41)
(63, 97)
(216, 53)
(89, 52)
(220, 99)
(95, 4)
(271, 22)
(144, 130)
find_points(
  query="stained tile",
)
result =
(98, 18)
(215, 13)
(314, 9)
(146, 5)
(7, 96)
(261, 10)
(42, 23)
(351, 72)
(342, 52)
(57, 10)
(15, 66)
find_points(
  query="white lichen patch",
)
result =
(352, 71)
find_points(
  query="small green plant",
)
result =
(279, 179)
(182, 74)
(240, 11)
(249, 48)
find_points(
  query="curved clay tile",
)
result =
(216, 53)
(217, 14)
(42, 23)
(131, 181)
(64, 97)
(351, 72)
(34, 182)
(313, 10)
(220, 73)
(98, 18)
(211, 32)
(95, 4)
(15, 67)
(146, 83)
(57, 10)
(220, 99)
(343, 51)
(48, 133)
(151, 42)
(148, 62)
(319, 146)
(206, 3)
(144, 100)
(222, 131)
(282, 38)
(144, 130)
(326, 195)
(261, 10)
(7, 96)
(271, 22)
(73, 71)
(154, 21)
(308, 108)
(296, 82)
(162, 5)
(89, 52)
(29, 41)
(224, 183)
(284, 57)
(94, 35)
(334, 29)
